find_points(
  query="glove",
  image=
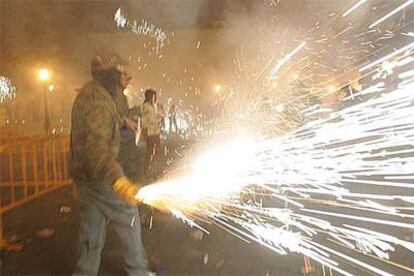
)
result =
(126, 190)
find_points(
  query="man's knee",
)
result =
(135, 257)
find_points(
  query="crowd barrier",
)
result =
(30, 168)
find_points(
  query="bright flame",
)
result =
(213, 175)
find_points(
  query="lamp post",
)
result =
(44, 76)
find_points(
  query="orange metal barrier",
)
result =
(31, 168)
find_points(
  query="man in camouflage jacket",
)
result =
(105, 193)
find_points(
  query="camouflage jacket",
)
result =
(95, 136)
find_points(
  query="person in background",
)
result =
(105, 193)
(130, 154)
(150, 124)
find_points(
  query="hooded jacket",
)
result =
(95, 135)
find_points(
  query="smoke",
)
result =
(228, 42)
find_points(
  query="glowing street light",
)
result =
(51, 87)
(43, 74)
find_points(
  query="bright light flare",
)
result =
(214, 175)
(43, 74)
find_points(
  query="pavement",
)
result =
(45, 233)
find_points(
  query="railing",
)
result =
(31, 168)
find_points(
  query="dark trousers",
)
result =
(98, 205)
(152, 156)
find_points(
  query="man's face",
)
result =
(124, 80)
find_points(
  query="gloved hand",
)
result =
(126, 190)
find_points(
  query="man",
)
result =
(150, 124)
(105, 194)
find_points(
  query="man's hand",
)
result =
(126, 190)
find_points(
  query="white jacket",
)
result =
(150, 119)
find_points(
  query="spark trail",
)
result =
(143, 28)
(353, 8)
(285, 59)
(388, 15)
(315, 178)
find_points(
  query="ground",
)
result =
(47, 233)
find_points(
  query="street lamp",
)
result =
(44, 76)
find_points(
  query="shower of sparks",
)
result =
(406, 48)
(388, 15)
(354, 7)
(7, 90)
(311, 179)
(272, 2)
(342, 158)
(143, 28)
